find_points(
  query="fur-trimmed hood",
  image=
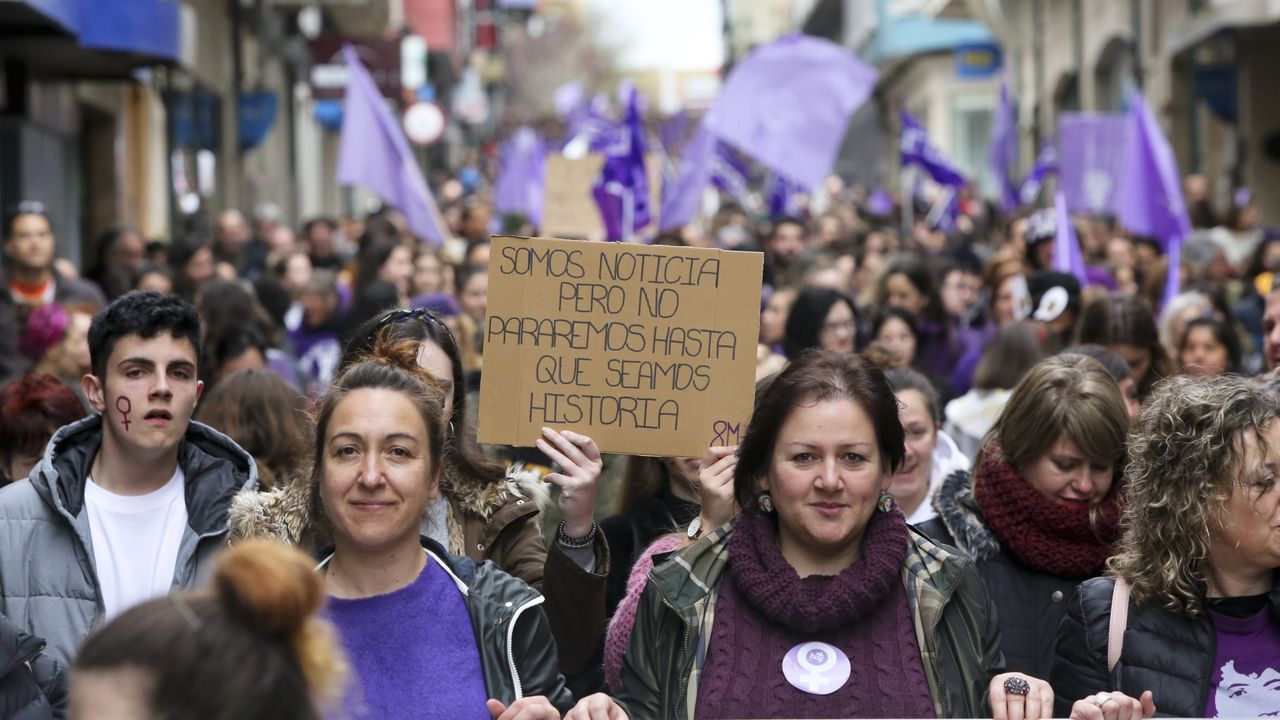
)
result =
(293, 514)
(962, 518)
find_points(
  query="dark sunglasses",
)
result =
(402, 315)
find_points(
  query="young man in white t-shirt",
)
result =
(128, 503)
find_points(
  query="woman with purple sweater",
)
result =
(428, 634)
(818, 600)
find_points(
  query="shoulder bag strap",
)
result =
(1119, 620)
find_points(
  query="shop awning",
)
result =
(91, 38)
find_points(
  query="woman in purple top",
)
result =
(428, 634)
(1198, 556)
(908, 284)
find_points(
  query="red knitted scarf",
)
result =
(1036, 530)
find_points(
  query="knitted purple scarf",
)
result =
(819, 602)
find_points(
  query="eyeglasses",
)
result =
(402, 315)
(838, 326)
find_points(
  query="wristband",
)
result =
(573, 542)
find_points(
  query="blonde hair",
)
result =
(255, 640)
(1185, 455)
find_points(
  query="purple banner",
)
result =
(1091, 153)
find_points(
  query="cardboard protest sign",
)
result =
(568, 207)
(650, 350)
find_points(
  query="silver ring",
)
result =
(1017, 686)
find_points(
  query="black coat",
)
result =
(1168, 653)
(1029, 603)
(32, 684)
(628, 536)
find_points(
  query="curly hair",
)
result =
(1185, 454)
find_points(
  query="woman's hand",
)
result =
(1007, 703)
(596, 707)
(533, 707)
(1114, 706)
(715, 485)
(579, 461)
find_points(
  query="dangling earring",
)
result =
(885, 504)
(765, 501)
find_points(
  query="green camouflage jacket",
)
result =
(954, 622)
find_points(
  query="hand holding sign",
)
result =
(715, 486)
(579, 461)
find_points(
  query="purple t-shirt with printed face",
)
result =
(1246, 672)
(413, 652)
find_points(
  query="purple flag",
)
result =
(373, 153)
(730, 173)
(622, 190)
(1004, 150)
(1149, 200)
(590, 127)
(705, 159)
(1067, 257)
(787, 105)
(782, 197)
(681, 198)
(1091, 158)
(1046, 165)
(945, 209)
(567, 98)
(673, 131)
(917, 150)
(521, 175)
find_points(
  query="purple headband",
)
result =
(46, 326)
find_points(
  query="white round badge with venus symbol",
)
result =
(816, 668)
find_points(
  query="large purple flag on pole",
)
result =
(1004, 150)
(788, 104)
(1067, 257)
(1149, 201)
(917, 150)
(373, 153)
(622, 190)
(521, 175)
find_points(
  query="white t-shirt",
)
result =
(135, 541)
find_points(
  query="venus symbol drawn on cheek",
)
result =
(127, 406)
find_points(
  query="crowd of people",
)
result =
(239, 478)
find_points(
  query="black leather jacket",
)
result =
(1170, 654)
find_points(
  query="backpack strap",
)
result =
(1119, 621)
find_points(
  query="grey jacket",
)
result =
(48, 582)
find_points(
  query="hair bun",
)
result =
(404, 354)
(271, 586)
